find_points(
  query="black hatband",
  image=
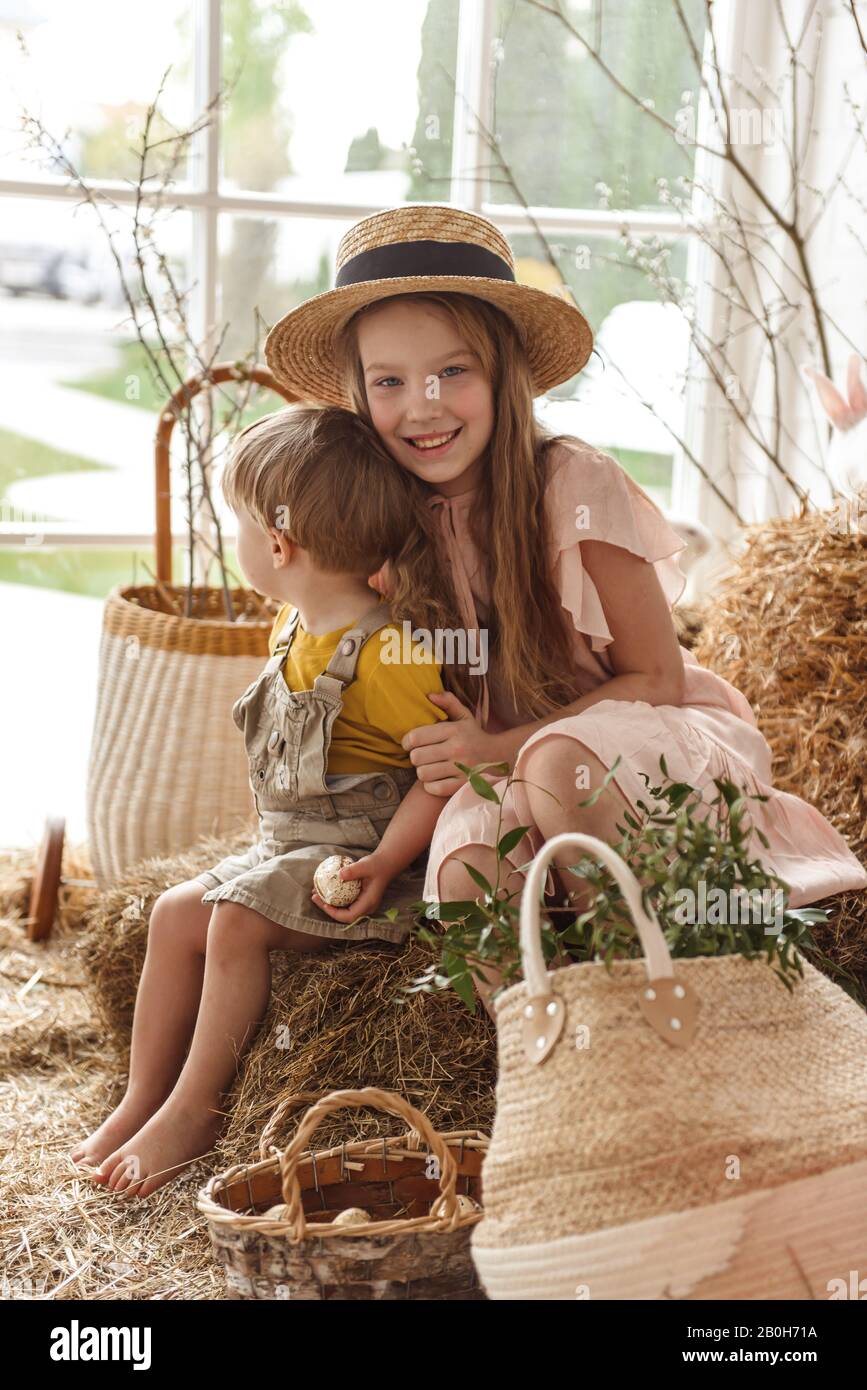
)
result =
(423, 258)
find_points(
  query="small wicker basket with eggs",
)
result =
(386, 1218)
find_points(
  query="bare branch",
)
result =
(160, 321)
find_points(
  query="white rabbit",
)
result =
(698, 542)
(847, 456)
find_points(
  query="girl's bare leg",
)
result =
(552, 764)
(235, 992)
(165, 1014)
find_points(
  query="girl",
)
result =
(548, 543)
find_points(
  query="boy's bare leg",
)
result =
(165, 1014)
(236, 990)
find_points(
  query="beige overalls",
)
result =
(305, 815)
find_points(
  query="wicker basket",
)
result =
(166, 764)
(403, 1252)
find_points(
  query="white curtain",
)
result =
(763, 376)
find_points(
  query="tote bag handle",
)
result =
(668, 1005)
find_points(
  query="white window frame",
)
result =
(203, 198)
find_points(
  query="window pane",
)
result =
(87, 570)
(89, 72)
(329, 99)
(563, 125)
(641, 341)
(79, 400)
(271, 264)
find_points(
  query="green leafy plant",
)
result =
(682, 850)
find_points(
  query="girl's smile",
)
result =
(434, 445)
(428, 396)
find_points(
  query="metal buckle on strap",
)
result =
(284, 643)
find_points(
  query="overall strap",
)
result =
(284, 641)
(341, 667)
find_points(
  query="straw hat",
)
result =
(417, 247)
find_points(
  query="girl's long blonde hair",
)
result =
(529, 630)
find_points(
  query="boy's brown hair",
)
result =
(322, 475)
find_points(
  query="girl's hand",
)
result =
(375, 877)
(435, 748)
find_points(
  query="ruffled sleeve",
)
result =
(591, 497)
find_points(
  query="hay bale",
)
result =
(688, 623)
(334, 1020)
(788, 628)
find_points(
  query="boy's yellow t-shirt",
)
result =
(385, 701)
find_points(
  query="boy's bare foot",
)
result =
(169, 1141)
(121, 1124)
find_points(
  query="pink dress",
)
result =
(713, 733)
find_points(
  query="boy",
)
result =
(320, 506)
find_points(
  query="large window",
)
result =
(320, 112)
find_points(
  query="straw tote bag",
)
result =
(166, 765)
(680, 1131)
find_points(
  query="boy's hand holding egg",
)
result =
(332, 889)
(347, 889)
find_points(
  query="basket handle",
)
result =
(392, 1104)
(285, 1108)
(186, 392)
(668, 1005)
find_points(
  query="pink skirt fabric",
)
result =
(805, 851)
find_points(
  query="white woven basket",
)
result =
(689, 1130)
(166, 764)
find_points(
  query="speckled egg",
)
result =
(352, 1216)
(331, 888)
